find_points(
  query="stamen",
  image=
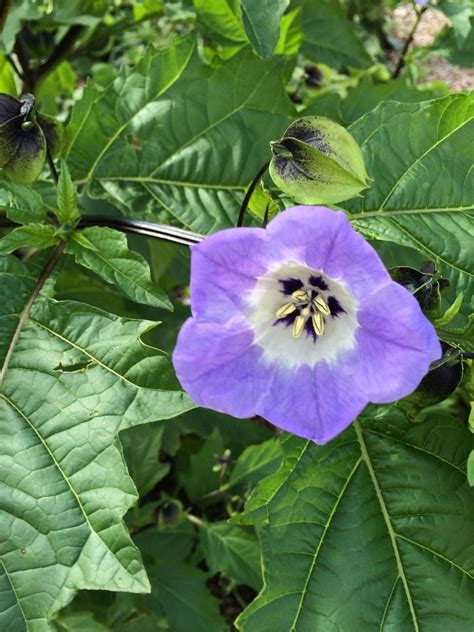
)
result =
(298, 325)
(318, 323)
(321, 305)
(300, 295)
(285, 310)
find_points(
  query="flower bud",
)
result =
(318, 162)
(25, 138)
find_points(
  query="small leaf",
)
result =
(233, 551)
(470, 469)
(30, 236)
(262, 23)
(451, 312)
(67, 203)
(105, 252)
(22, 204)
(255, 462)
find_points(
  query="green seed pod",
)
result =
(318, 162)
(25, 138)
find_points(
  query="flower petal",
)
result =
(395, 345)
(325, 240)
(224, 269)
(316, 403)
(219, 367)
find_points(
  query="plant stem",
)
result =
(52, 167)
(61, 50)
(132, 226)
(402, 59)
(14, 67)
(250, 190)
(43, 277)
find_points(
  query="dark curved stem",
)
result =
(401, 60)
(52, 167)
(132, 226)
(250, 190)
(43, 277)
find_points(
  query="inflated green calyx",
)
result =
(318, 162)
(25, 138)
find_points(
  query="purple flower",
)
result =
(301, 324)
(421, 2)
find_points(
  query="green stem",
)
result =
(43, 277)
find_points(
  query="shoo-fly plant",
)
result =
(301, 324)
(236, 318)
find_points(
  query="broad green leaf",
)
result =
(233, 551)
(358, 534)
(30, 236)
(367, 95)
(21, 203)
(255, 462)
(470, 469)
(75, 378)
(222, 18)
(330, 37)
(188, 155)
(105, 121)
(420, 156)
(262, 23)
(459, 14)
(105, 251)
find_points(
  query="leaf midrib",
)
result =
(391, 532)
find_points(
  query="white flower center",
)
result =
(301, 316)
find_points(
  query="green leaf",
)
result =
(329, 36)
(422, 196)
(470, 469)
(197, 475)
(181, 593)
(104, 122)
(291, 34)
(141, 446)
(61, 82)
(7, 77)
(67, 203)
(30, 236)
(79, 622)
(234, 551)
(189, 163)
(255, 462)
(21, 203)
(451, 312)
(358, 534)
(105, 251)
(458, 50)
(262, 23)
(222, 18)
(75, 378)
(367, 95)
